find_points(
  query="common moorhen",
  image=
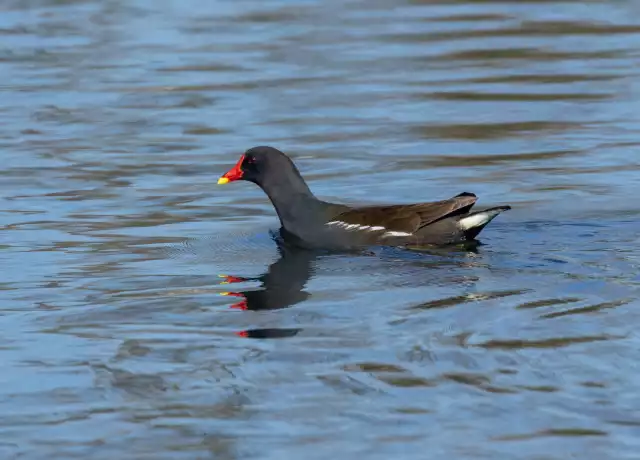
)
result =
(314, 223)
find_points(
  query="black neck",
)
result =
(291, 197)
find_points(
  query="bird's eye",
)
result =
(250, 160)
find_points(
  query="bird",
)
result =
(310, 222)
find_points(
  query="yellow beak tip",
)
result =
(224, 293)
(223, 180)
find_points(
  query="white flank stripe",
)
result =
(396, 234)
(474, 221)
(347, 226)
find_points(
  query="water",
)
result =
(118, 117)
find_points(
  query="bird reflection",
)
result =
(282, 286)
(269, 333)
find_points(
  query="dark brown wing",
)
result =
(407, 218)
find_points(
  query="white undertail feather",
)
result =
(478, 219)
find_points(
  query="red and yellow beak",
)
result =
(234, 173)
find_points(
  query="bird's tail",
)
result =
(472, 224)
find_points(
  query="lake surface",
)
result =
(118, 117)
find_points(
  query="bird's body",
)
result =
(310, 222)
